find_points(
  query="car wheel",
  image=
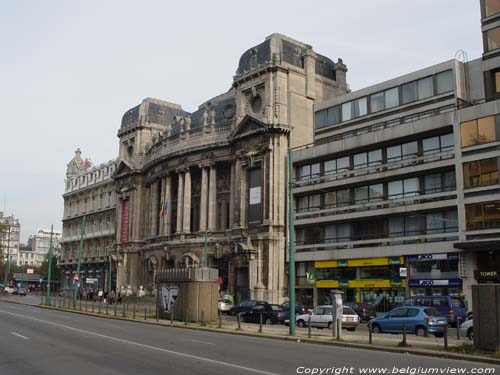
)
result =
(470, 333)
(421, 331)
(268, 322)
(376, 328)
(439, 335)
(329, 325)
(352, 329)
(301, 323)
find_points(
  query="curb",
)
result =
(421, 352)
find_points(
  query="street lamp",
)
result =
(7, 269)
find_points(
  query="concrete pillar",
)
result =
(231, 197)
(180, 202)
(155, 208)
(161, 224)
(203, 199)
(243, 197)
(212, 199)
(186, 220)
(167, 222)
(237, 194)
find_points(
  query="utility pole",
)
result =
(7, 268)
(49, 273)
(80, 250)
(291, 244)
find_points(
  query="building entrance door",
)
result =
(241, 284)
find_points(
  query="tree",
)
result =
(44, 269)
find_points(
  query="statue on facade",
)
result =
(188, 122)
(205, 118)
(129, 292)
(141, 292)
(212, 115)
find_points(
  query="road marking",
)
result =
(185, 355)
(18, 335)
(203, 342)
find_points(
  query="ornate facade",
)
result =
(212, 183)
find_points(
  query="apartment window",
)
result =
(491, 7)
(347, 111)
(372, 193)
(337, 198)
(425, 88)
(391, 97)
(361, 194)
(408, 187)
(437, 144)
(493, 39)
(360, 107)
(376, 192)
(481, 173)
(309, 202)
(478, 131)
(337, 232)
(444, 81)
(309, 171)
(360, 160)
(441, 222)
(484, 215)
(497, 82)
(336, 166)
(377, 102)
(320, 119)
(409, 92)
(400, 152)
(333, 115)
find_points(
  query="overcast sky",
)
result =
(70, 69)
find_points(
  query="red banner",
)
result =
(124, 221)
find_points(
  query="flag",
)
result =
(163, 207)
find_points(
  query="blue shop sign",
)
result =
(434, 282)
(430, 257)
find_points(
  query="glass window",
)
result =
(430, 145)
(330, 167)
(425, 89)
(451, 221)
(410, 149)
(444, 82)
(411, 186)
(395, 189)
(468, 133)
(361, 194)
(497, 82)
(375, 157)
(344, 232)
(343, 164)
(330, 198)
(330, 233)
(486, 129)
(377, 102)
(481, 173)
(493, 38)
(433, 183)
(360, 107)
(485, 215)
(305, 172)
(447, 142)
(409, 92)
(396, 226)
(391, 97)
(449, 181)
(347, 111)
(412, 225)
(320, 119)
(315, 170)
(393, 153)
(491, 7)
(360, 160)
(376, 192)
(343, 198)
(434, 222)
(333, 115)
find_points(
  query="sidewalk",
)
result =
(145, 313)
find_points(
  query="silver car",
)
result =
(224, 305)
(321, 317)
(466, 329)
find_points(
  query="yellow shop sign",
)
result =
(365, 262)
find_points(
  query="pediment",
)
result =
(123, 168)
(249, 125)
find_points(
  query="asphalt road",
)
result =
(37, 341)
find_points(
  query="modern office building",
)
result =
(399, 195)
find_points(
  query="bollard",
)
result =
(172, 316)
(338, 328)
(115, 308)
(80, 304)
(404, 343)
(446, 337)
(92, 305)
(41, 298)
(458, 328)
(202, 319)
(260, 323)
(133, 312)
(185, 318)
(220, 319)
(370, 332)
(309, 326)
(145, 313)
(106, 309)
(86, 307)
(123, 310)
(99, 307)
(239, 323)
(157, 314)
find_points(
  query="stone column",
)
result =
(180, 200)
(212, 199)
(154, 208)
(231, 198)
(167, 222)
(243, 197)
(186, 222)
(161, 225)
(203, 198)
(237, 194)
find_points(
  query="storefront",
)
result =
(372, 280)
(434, 275)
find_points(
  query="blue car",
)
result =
(451, 307)
(419, 320)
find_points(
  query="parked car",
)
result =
(467, 329)
(418, 320)
(9, 289)
(451, 307)
(321, 317)
(365, 311)
(271, 314)
(224, 305)
(19, 292)
(300, 308)
(243, 306)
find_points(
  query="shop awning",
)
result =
(476, 246)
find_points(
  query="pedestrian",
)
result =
(119, 300)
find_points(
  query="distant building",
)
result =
(38, 247)
(9, 243)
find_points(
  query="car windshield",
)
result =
(348, 311)
(457, 302)
(431, 311)
(276, 308)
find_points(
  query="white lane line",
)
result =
(185, 355)
(18, 335)
(203, 342)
